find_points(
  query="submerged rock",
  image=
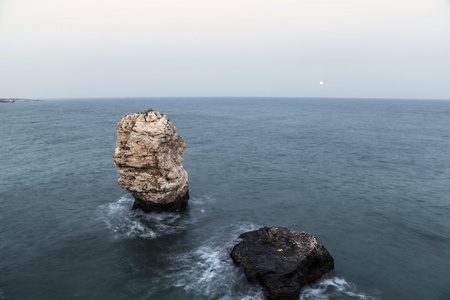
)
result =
(149, 156)
(281, 260)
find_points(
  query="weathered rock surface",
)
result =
(281, 260)
(149, 156)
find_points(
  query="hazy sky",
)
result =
(118, 48)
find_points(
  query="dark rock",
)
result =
(281, 260)
(177, 205)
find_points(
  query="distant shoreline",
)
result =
(14, 100)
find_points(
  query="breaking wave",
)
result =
(333, 288)
(208, 271)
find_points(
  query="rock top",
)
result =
(149, 156)
(281, 260)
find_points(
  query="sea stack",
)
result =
(149, 156)
(281, 260)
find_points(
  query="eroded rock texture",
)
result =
(149, 156)
(281, 260)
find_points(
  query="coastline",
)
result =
(14, 100)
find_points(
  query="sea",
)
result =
(370, 178)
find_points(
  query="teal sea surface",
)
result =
(369, 178)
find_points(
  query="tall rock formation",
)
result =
(149, 156)
(281, 260)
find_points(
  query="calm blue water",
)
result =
(369, 178)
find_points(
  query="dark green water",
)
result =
(369, 178)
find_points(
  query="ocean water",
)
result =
(369, 178)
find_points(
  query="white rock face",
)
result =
(149, 156)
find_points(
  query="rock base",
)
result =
(179, 204)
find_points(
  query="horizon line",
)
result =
(236, 97)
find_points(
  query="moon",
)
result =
(321, 82)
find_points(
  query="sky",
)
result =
(229, 48)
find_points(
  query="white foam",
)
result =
(208, 271)
(333, 288)
(127, 223)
